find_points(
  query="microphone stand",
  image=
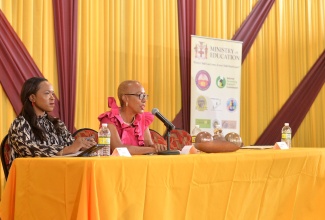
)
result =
(168, 151)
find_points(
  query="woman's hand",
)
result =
(160, 147)
(88, 142)
(81, 143)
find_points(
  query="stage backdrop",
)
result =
(215, 84)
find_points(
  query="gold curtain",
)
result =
(120, 40)
(286, 47)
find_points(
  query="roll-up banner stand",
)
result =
(215, 84)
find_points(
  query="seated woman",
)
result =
(129, 124)
(34, 133)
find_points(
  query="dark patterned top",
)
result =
(24, 143)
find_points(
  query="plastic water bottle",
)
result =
(195, 131)
(104, 139)
(286, 134)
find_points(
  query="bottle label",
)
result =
(193, 139)
(104, 140)
(106, 151)
(286, 136)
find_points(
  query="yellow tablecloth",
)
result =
(247, 184)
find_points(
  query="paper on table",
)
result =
(258, 147)
(71, 155)
(189, 149)
(121, 151)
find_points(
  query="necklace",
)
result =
(128, 122)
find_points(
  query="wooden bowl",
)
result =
(216, 146)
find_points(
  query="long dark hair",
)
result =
(31, 86)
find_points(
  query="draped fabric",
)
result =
(242, 185)
(186, 25)
(149, 41)
(65, 20)
(293, 111)
(286, 46)
(251, 26)
(16, 65)
(120, 40)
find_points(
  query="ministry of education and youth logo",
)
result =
(201, 50)
(203, 80)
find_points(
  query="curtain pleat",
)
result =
(252, 25)
(65, 20)
(186, 26)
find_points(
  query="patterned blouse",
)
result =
(25, 144)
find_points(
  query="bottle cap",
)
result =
(286, 124)
(104, 125)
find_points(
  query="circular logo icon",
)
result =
(201, 103)
(231, 104)
(221, 81)
(203, 80)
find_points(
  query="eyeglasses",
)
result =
(141, 96)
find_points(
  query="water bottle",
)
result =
(195, 131)
(104, 139)
(286, 134)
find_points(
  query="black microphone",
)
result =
(167, 123)
(170, 127)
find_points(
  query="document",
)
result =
(258, 147)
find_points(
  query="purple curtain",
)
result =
(16, 65)
(252, 25)
(65, 23)
(186, 25)
(298, 104)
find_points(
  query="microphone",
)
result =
(170, 127)
(167, 123)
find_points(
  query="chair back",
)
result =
(5, 152)
(86, 132)
(178, 139)
(157, 138)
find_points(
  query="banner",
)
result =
(215, 84)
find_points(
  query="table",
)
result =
(247, 184)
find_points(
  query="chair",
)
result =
(178, 139)
(85, 132)
(157, 138)
(5, 152)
